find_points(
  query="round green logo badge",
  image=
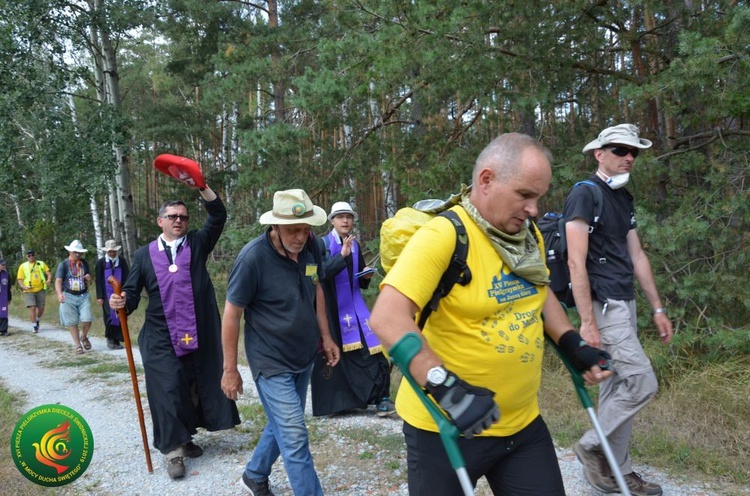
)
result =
(52, 445)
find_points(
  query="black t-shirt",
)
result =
(278, 294)
(608, 262)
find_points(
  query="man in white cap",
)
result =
(111, 264)
(603, 262)
(275, 283)
(362, 377)
(72, 279)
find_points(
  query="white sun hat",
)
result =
(342, 208)
(622, 134)
(76, 246)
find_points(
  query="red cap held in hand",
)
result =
(181, 168)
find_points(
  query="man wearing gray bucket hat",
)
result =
(111, 264)
(275, 284)
(605, 257)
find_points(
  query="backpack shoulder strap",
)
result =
(457, 272)
(598, 200)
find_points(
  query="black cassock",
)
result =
(111, 331)
(359, 379)
(183, 393)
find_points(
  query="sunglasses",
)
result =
(622, 151)
(174, 217)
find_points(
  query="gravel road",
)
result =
(31, 364)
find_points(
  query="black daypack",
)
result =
(552, 226)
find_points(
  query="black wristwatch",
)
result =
(436, 376)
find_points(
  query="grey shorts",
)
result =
(75, 309)
(37, 299)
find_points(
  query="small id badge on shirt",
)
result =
(311, 271)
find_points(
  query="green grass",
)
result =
(11, 406)
(696, 427)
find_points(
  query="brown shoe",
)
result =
(596, 469)
(176, 467)
(640, 487)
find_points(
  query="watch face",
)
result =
(436, 375)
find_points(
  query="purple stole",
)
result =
(116, 271)
(176, 291)
(4, 291)
(353, 312)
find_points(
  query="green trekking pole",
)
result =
(402, 354)
(583, 395)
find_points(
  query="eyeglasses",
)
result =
(174, 217)
(622, 151)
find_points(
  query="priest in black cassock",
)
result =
(362, 376)
(180, 342)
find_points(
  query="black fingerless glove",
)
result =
(581, 355)
(471, 409)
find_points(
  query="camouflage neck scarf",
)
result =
(520, 252)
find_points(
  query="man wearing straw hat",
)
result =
(275, 283)
(72, 279)
(111, 264)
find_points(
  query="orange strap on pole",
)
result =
(131, 365)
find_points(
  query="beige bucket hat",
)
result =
(293, 206)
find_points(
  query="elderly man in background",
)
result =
(111, 264)
(275, 283)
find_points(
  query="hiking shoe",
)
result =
(36, 328)
(192, 450)
(256, 488)
(640, 487)
(596, 469)
(176, 467)
(385, 407)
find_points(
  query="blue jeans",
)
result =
(283, 397)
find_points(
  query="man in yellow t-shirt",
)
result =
(33, 278)
(483, 346)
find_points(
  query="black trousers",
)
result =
(524, 464)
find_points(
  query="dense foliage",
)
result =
(381, 103)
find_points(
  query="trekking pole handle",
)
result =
(402, 354)
(575, 375)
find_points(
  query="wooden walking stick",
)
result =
(131, 365)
